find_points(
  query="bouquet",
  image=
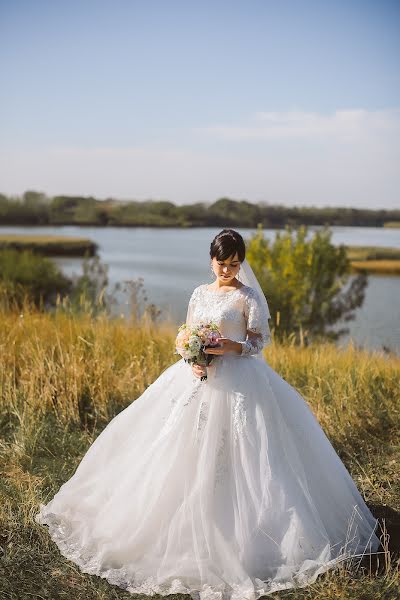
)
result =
(191, 342)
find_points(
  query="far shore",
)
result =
(49, 245)
(383, 267)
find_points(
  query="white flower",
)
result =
(194, 343)
(185, 353)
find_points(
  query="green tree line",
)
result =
(35, 208)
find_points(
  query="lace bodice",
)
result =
(238, 313)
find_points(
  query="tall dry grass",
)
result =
(63, 377)
(69, 365)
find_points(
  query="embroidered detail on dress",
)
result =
(202, 417)
(89, 560)
(252, 345)
(221, 461)
(235, 312)
(239, 416)
(176, 407)
(194, 392)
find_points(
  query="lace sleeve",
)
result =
(258, 332)
(191, 305)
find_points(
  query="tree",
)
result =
(304, 281)
(34, 199)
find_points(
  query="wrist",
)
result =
(245, 347)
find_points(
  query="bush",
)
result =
(30, 279)
(304, 282)
(24, 275)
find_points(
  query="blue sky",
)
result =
(294, 102)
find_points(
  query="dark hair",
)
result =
(226, 243)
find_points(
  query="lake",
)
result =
(174, 261)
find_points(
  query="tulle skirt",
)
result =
(220, 489)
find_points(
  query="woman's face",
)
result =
(226, 270)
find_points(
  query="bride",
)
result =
(222, 489)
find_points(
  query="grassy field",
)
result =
(49, 245)
(63, 378)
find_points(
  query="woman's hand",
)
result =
(198, 370)
(227, 347)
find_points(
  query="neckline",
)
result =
(223, 293)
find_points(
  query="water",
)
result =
(174, 261)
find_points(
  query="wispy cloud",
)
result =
(352, 125)
(349, 157)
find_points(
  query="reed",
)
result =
(374, 259)
(383, 267)
(392, 224)
(64, 376)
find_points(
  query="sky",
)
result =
(293, 102)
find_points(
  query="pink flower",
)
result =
(213, 338)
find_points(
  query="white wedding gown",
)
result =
(223, 489)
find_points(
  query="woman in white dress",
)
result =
(223, 488)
